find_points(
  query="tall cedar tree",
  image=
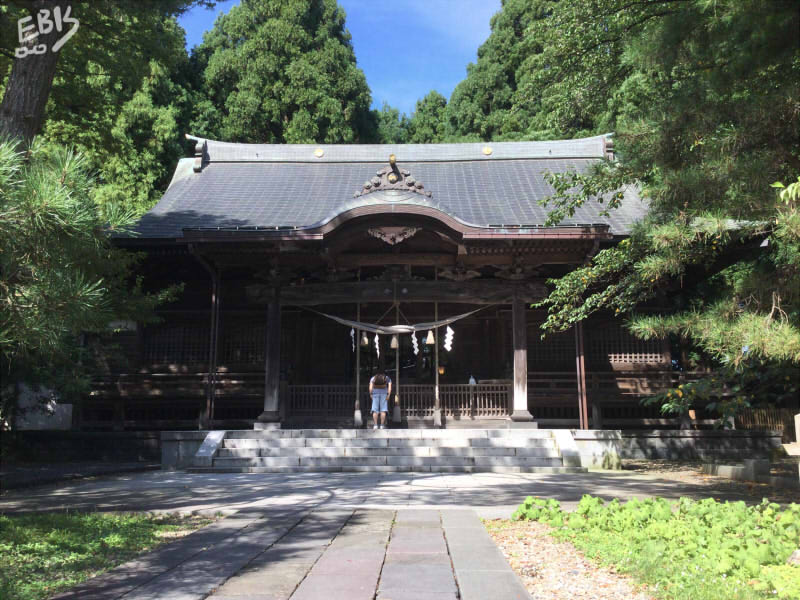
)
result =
(427, 124)
(282, 71)
(483, 106)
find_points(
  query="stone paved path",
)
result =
(320, 555)
(324, 537)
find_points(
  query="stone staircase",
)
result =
(388, 450)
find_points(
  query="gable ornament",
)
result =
(393, 178)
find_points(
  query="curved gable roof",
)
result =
(305, 186)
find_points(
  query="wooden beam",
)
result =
(349, 261)
(484, 291)
(442, 259)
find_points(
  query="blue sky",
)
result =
(406, 48)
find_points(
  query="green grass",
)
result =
(43, 554)
(684, 550)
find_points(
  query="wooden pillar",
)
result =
(520, 336)
(207, 415)
(358, 421)
(271, 414)
(396, 414)
(437, 405)
(580, 367)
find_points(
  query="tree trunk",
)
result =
(31, 78)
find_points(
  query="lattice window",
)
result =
(610, 343)
(554, 353)
(177, 343)
(242, 341)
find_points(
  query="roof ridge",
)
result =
(206, 151)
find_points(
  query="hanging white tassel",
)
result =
(353, 338)
(448, 338)
(414, 343)
(377, 345)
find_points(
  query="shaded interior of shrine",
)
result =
(208, 353)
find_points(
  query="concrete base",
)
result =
(594, 446)
(750, 470)
(358, 420)
(269, 416)
(521, 415)
(260, 426)
(178, 448)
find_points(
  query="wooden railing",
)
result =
(416, 400)
(143, 397)
(603, 385)
(322, 401)
(769, 419)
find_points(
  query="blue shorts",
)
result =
(379, 402)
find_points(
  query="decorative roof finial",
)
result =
(393, 178)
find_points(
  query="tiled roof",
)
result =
(305, 186)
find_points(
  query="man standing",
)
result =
(380, 387)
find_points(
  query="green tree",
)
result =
(427, 124)
(703, 98)
(482, 106)
(123, 112)
(59, 275)
(111, 34)
(278, 71)
(390, 126)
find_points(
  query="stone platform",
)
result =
(387, 450)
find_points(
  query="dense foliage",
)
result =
(42, 554)
(281, 71)
(121, 93)
(486, 104)
(693, 550)
(705, 102)
(60, 277)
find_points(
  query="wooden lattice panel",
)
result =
(554, 353)
(242, 341)
(177, 344)
(609, 343)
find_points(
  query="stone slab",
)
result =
(413, 541)
(350, 567)
(276, 581)
(415, 577)
(415, 595)
(497, 585)
(205, 453)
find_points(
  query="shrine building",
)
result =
(306, 267)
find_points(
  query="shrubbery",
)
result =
(685, 549)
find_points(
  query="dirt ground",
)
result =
(553, 570)
(689, 471)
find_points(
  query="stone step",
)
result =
(387, 442)
(400, 461)
(389, 433)
(391, 469)
(704, 453)
(386, 451)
